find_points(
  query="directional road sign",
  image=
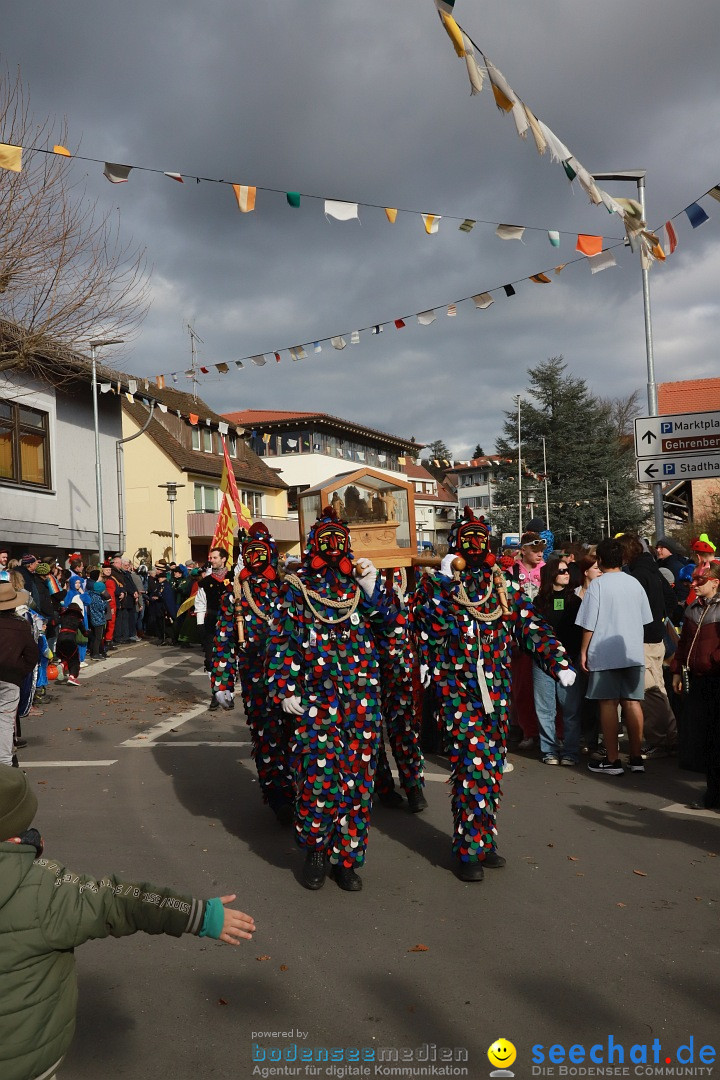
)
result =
(661, 469)
(677, 433)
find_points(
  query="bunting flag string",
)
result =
(246, 195)
(545, 139)
(591, 250)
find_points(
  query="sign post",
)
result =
(679, 446)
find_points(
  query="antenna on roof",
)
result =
(193, 357)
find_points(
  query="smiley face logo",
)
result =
(502, 1054)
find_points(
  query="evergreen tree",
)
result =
(584, 449)
(437, 451)
(478, 451)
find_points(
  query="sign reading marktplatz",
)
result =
(662, 443)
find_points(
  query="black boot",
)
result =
(314, 870)
(493, 861)
(416, 800)
(392, 799)
(469, 871)
(214, 704)
(346, 878)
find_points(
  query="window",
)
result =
(207, 440)
(24, 445)
(292, 496)
(207, 498)
(195, 431)
(231, 443)
(253, 501)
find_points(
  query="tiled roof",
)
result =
(268, 420)
(691, 395)
(247, 466)
(417, 472)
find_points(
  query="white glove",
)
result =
(367, 577)
(224, 698)
(567, 677)
(292, 706)
(446, 568)
(424, 676)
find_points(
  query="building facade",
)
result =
(475, 483)
(167, 447)
(307, 448)
(48, 501)
(435, 508)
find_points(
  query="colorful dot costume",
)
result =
(323, 652)
(465, 630)
(239, 651)
(401, 700)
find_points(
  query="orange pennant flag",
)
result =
(62, 150)
(541, 279)
(245, 197)
(589, 245)
(160, 382)
(390, 214)
(193, 418)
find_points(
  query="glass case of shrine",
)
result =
(379, 509)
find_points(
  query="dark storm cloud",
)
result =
(368, 102)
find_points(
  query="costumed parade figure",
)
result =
(239, 651)
(401, 697)
(323, 670)
(466, 621)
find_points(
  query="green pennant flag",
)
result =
(293, 197)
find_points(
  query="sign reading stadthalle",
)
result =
(678, 433)
(683, 467)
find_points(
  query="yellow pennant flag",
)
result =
(224, 527)
(245, 197)
(454, 32)
(62, 150)
(390, 214)
(10, 157)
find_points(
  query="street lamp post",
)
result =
(638, 175)
(547, 506)
(172, 489)
(607, 504)
(98, 471)
(520, 528)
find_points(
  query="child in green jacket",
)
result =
(46, 910)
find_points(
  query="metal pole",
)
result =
(98, 470)
(520, 528)
(172, 524)
(547, 507)
(651, 384)
(607, 504)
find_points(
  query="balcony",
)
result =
(201, 526)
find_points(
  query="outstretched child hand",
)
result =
(236, 924)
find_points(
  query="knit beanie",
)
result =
(98, 586)
(18, 804)
(42, 569)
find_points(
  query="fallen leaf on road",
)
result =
(67, 729)
(698, 897)
(283, 967)
(78, 729)
(263, 958)
(620, 904)
(640, 873)
(222, 1001)
(42, 781)
(573, 858)
(551, 845)
(418, 948)
(141, 736)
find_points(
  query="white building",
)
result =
(307, 448)
(435, 507)
(475, 484)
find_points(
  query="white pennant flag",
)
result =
(426, 317)
(116, 174)
(259, 360)
(355, 337)
(105, 387)
(483, 300)
(338, 342)
(475, 74)
(223, 427)
(601, 262)
(341, 211)
(510, 232)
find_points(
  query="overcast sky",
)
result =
(367, 102)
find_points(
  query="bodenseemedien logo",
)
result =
(502, 1054)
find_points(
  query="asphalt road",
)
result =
(603, 924)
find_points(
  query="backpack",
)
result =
(97, 609)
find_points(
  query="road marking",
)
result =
(97, 667)
(143, 738)
(201, 742)
(681, 808)
(65, 764)
(158, 667)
